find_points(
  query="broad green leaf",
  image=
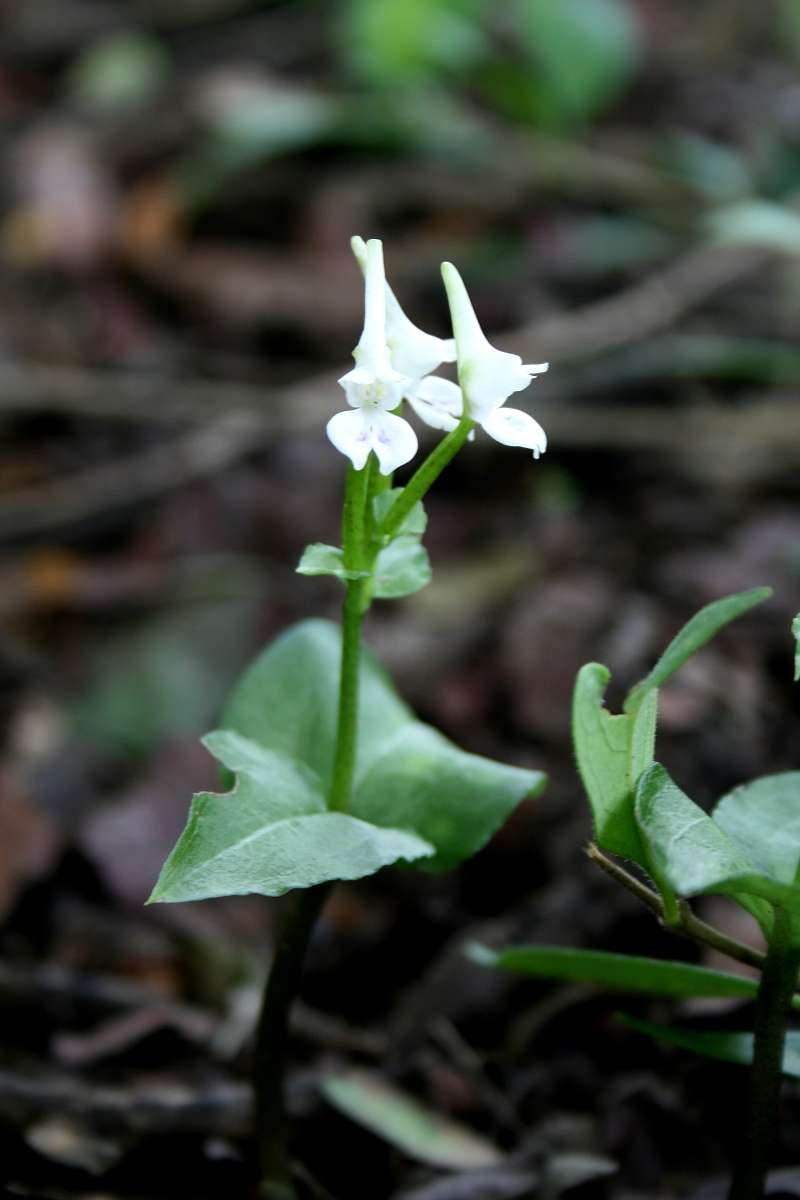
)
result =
(415, 523)
(796, 635)
(272, 832)
(400, 1119)
(611, 752)
(585, 54)
(391, 42)
(407, 775)
(729, 1047)
(287, 700)
(695, 633)
(455, 800)
(762, 819)
(692, 854)
(319, 559)
(617, 972)
(402, 568)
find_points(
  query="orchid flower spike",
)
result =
(489, 376)
(373, 388)
(416, 354)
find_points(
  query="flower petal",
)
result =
(412, 351)
(350, 434)
(392, 439)
(371, 351)
(438, 402)
(512, 427)
(469, 337)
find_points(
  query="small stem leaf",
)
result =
(416, 522)
(319, 559)
(617, 972)
(450, 798)
(729, 1047)
(796, 636)
(691, 853)
(401, 568)
(611, 751)
(272, 833)
(404, 1122)
(695, 633)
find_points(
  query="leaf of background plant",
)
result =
(700, 629)
(167, 674)
(408, 775)
(403, 1121)
(272, 832)
(796, 635)
(693, 854)
(729, 1047)
(319, 559)
(757, 223)
(585, 53)
(455, 800)
(611, 751)
(399, 42)
(617, 972)
(415, 523)
(401, 568)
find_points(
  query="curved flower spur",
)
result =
(487, 376)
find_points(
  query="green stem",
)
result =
(778, 980)
(424, 476)
(272, 1043)
(355, 526)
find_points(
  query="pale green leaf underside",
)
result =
(728, 1047)
(612, 751)
(617, 972)
(272, 833)
(695, 633)
(403, 1121)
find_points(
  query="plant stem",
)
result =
(424, 476)
(272, 1040)
(272, 1037)
(688, 924)
(355, 525)
(778, 981)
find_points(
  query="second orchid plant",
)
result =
(333, 777)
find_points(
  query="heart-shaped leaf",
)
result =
(612, 751)
(695, 633)
(272, 832)
(407, 777)
(455, 800)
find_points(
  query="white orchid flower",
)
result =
(416, 354)
(373, 388)
(488, 376)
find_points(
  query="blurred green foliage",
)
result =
(553, 63)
